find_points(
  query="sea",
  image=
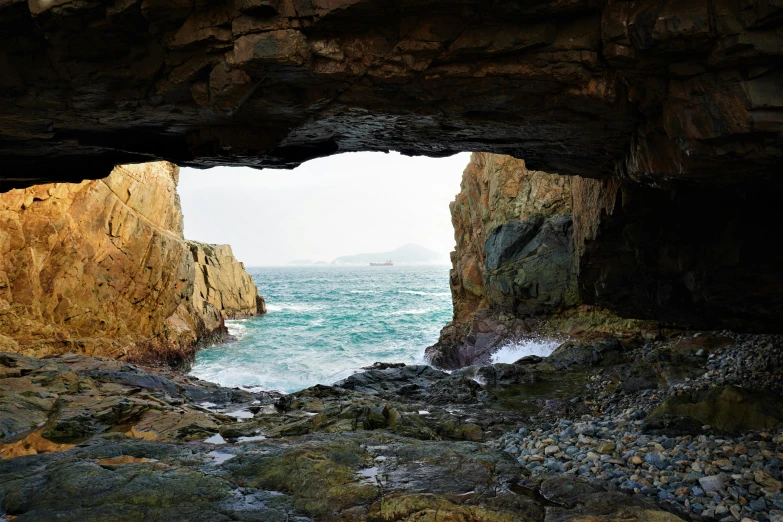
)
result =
(325, 323)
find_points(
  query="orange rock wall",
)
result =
(101, 267)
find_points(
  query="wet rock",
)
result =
(585, 353)
(568, 491)
(727, 409)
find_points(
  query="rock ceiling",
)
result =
(650, 90)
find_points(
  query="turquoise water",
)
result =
(325, 323)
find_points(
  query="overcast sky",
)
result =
(329, 207)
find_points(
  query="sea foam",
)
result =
(515, 350)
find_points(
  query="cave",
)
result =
(655, 242)
(667, 113)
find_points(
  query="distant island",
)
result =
(410, 254)
(307, 262)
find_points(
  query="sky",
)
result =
(326, 208)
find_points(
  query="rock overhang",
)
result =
(648, 90)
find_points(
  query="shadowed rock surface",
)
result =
(102, 268)
(653, 90)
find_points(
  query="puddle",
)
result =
(251, 439)
(240, 414)
(527, 398)
(217, 438)
(219, 457)
(369, 474)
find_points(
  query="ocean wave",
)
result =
(413, 311)
(419, 292)
(362, 291)
(237, 327)
(292, 307)
(515, 350)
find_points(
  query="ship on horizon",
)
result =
(387, 263)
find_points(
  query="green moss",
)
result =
(322, 479)
(426, 507)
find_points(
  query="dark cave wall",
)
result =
(690, 255)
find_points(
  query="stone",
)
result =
(711, 483)
(69, 270)
(606, 448)
(656, 459)
(767, 481)
(724, 464)
(581, 354)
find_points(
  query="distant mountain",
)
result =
(410, 254)
(307, 262)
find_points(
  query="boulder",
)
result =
(529, 268)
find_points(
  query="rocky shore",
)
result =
(686, 428)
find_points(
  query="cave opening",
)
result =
(315, 240)
(625, 195)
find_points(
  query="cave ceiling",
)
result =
(648, 90)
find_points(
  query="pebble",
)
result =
(720, 477)
(711, 483)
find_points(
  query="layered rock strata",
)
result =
(102, 268)
(653, 90)
(222, 282)
(674, 108)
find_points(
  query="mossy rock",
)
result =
(426, 507)
(726, 409)
(322, 479)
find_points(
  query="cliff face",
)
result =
(102, 268)
(495, 190)
(674, 108)
(513, 256)
(221, 281)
